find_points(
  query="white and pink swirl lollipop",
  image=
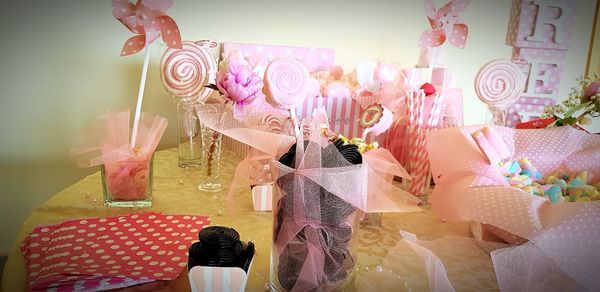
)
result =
(185, 72)
(287, 85)
(499, 84)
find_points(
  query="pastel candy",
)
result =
(594, 195)
(561, 183)
(515, 167)
(553, 193)
(286, 83)
(551, 179)
(528, 173)
(584, 199)
(583, 176)
(538, 176)
(525, 164)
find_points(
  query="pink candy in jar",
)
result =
(127, 180)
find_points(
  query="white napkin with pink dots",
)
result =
(108, 253)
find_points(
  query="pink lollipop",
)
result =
(499, 83)
(185, 72)
(286, 83)
(376, 119)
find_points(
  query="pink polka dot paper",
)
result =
(468, 188)
(106, 253)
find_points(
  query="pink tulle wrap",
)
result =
(106, 142)
(366, 186)
(562, 252)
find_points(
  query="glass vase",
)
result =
(127, 183)
(211, 159)
(327, 232)
(188, 136)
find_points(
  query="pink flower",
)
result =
(240, 84)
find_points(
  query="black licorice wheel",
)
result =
(218, 247)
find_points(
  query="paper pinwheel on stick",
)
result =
(445, 24)
(148, 20)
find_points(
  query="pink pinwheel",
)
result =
(148, 20)
(445, 24)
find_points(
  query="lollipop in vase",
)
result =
(184, 74)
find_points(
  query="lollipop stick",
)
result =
(138, 107)
(298, 133)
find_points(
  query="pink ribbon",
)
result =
(148, 20)
(445, 24)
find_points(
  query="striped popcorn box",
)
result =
(209, 279)
(343, 113)
(262, 197)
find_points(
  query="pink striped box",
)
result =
(313, 58)
(217, 279)
(344, 114)
(262, 197)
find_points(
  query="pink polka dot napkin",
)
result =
(109, 253)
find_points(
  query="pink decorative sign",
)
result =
(541, 24)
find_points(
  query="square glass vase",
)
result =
(127, 183)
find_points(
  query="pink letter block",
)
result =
(542, 24)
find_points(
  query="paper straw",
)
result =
(138, 106)
(421, 170)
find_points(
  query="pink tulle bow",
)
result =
(445, 24)
(107, 140)
(148, 20)
(362, 186)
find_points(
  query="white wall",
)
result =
(60, 68)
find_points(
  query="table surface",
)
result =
(468, 265)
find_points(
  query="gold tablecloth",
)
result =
(469, 267)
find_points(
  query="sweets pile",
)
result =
(557, 187)
(362, 145)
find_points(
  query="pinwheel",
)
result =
(445, 24)
(148, 20)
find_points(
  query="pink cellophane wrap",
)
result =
(321, 168)
(106, 142)
(562, 252)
